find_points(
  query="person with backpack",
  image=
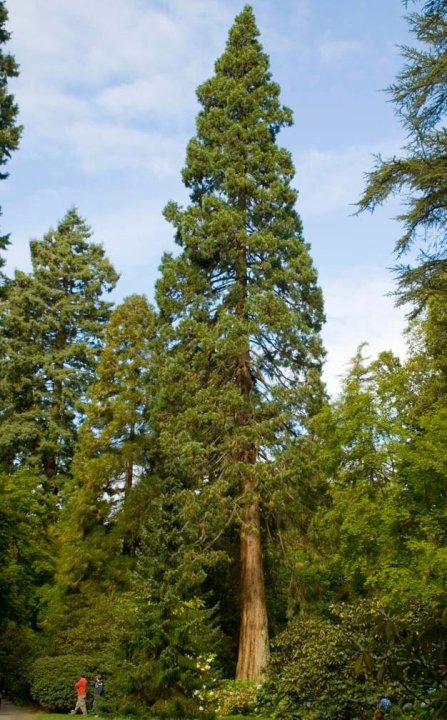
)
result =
(98, 690)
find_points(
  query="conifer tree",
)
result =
(53, 323)
(168, 645)
(420, 99)
(241, 314)
(104, 509)
(9, 130)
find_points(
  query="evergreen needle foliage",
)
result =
(240, 317)
(105, 502)
(420, 97)
(10, 131)
(53, 321)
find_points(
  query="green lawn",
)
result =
(56, 716)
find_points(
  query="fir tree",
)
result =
(168, 644)
(241, 314)
(53, 323)
(420, 98)
(9, 130)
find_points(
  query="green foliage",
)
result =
(382, 530)
(19, 646)
(27, 564)
(420, 100)
(339, 667)
(179, 707)
(53, 679)
(312, 674)
(106, 501)
(10, 132)
(235, 697)
(240, 320)
(164, 657)
(52, 322)
(24, 547)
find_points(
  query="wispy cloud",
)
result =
(357, 313)
(103, 146)
(162, 96)
(332, 51)
(332, 180)
(123, 70)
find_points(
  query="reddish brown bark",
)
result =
(253, 639)
(253, 652)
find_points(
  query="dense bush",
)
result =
(18, 648)
(235, 697)
(180, 707)
(338, 668)
(312, 675)
(53, 679)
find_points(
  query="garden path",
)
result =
(8, 711)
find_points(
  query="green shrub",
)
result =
(17, 652)
(312, 675)
(234, 697)
(179, 707)
(53, 679)
(339, 667)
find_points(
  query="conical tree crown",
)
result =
(232, 154)
(53, 323)
(240, 316)
(245, 267)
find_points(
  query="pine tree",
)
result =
(53, 322)
(9, 130)
(240, 314)
(420, 99)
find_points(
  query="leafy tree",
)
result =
(240, 315)
(383, 531)
(105, 502)
(420, 99)
(9, 130)
(53, 323)
(340, 665)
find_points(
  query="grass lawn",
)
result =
(58, 716)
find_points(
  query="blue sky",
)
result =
(107, 98)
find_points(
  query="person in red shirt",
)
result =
(81, 686)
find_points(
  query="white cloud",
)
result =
(86, 42)
(161, 96)
(104, 146)
(359, 312)
(101, 66)
(332, 180)
(336, 50)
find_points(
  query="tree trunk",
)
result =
(253, 640)
(253, 652)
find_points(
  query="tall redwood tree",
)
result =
(240, 316)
